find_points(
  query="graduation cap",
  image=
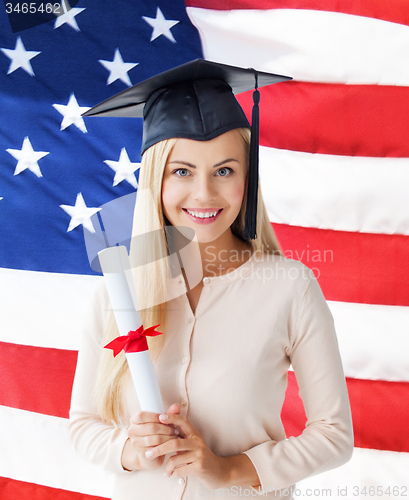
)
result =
(196, 101)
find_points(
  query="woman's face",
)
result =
(203, 184)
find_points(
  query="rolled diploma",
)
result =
(116, 268)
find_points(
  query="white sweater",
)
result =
(227, 367)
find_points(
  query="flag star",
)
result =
(80, 214)
(161, 26)
(20, 57)
(27, 158)
(124, 169)
(72, 114)
(118, 69)
(68, 17)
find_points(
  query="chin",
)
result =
(206, 240)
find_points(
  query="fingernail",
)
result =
(163, 417)
(177, 431)
(165, 474)
(149, 454)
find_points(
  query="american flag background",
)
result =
(335, 178)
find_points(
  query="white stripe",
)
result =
(367, 468)
(43, 309)
(308, 45)
(35, 449)
(336, 192)
(373, 340)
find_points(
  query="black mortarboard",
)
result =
(196, 101)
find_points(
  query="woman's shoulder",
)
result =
(290, 282)
(276, 272)
(281, 266)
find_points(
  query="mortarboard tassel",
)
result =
(250, 225)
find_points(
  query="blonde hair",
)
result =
(151, 281)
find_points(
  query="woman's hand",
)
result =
(146, 431)
(193, 456)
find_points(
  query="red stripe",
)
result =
(380, 410)
(36, 379)
(10, 489)
(380, 413)
(338, 119)
(395, 11)
(352, 267)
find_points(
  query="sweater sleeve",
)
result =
(93, 439)
(327, 440)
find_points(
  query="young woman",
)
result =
(228, 342)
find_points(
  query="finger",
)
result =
(143, 417)
(146, 442)
(171, 446)
(151, 429)
(183, 470)
(184, 423)
(176, 462)
(175, 408)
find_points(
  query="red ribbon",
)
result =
(135, 341)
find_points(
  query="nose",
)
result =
(204, 189)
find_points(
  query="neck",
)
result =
(219, 256)
(223, 254)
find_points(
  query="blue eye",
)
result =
(181, 172)
(224, 171)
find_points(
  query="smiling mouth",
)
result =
(203, 215)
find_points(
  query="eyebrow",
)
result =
(193, 166)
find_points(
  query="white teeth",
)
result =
(202, 215)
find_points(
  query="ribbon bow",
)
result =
(135, 341)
